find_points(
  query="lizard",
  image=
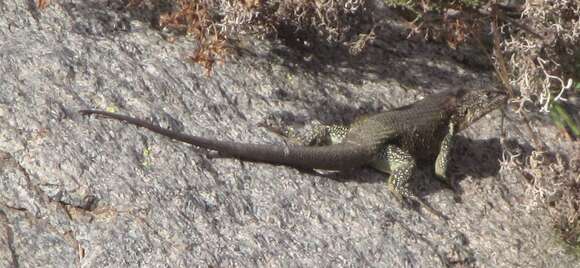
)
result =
(391, 142)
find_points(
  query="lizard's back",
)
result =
(418, 128)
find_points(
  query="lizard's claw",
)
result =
(407, 199)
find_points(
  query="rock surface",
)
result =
(85, 192)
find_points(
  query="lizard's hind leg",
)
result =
(313, 134)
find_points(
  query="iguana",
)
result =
(391, 142)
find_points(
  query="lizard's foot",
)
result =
(428, 207)
(276, 126)
(401, 191)
(449, 183)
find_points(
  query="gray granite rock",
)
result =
(85, 192)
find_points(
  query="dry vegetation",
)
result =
(534, 46)
(217, 24)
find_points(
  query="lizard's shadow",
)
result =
(470, 158)
(475, 158)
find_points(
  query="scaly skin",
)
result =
(391, 142)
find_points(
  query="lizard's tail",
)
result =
(333, 157)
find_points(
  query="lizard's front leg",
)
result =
(442, 161)
(401, 165)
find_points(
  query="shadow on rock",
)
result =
(474, 158)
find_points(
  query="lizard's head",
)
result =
(472, 105)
